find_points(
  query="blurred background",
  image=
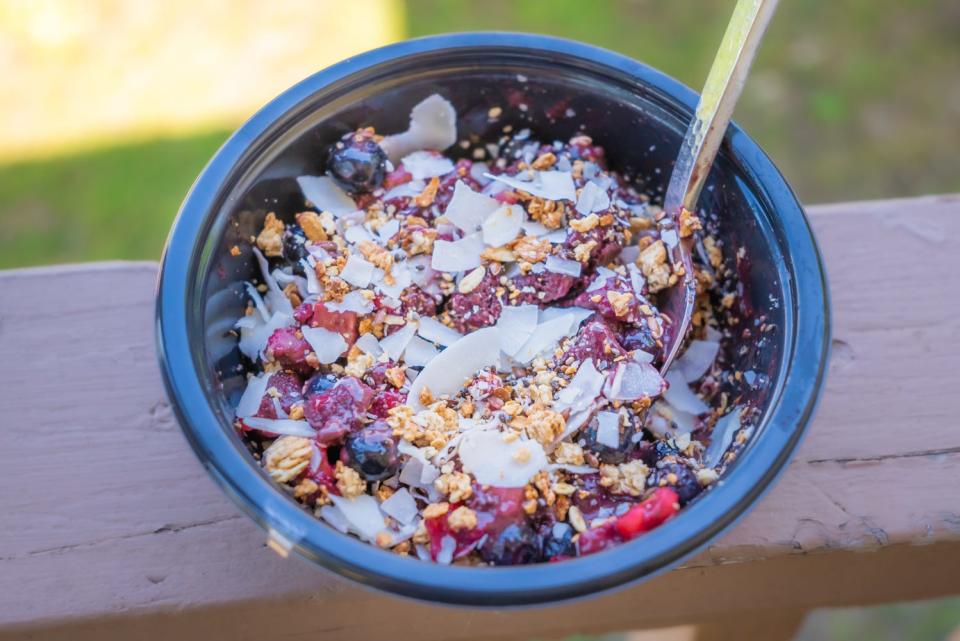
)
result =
(110, 108)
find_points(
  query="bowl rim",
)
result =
(808, 333)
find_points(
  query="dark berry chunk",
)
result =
(558, 541)
(294, 247)
(542, 288)
(679, 477)
(289, 348)
(357, 162)
(515, 544)
(415, 299)
(479, 308)
(596, 340)
(284, 388)
(372, 451)
(337, 411)
(319, 383)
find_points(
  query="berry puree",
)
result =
(453, 348)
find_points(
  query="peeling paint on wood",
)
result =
(107, 512)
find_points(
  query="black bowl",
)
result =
(639, 115)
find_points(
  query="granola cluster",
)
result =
(454, 348)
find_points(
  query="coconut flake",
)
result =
(563, 266)
(433, 330)
(584, 387)
(448, 545)
(326, 195)
(356, 233)
(401, 280)
(629, 254)
(388, 230)
(573, 469)
(253, 340)
(533, 228)
(369, 344)
(546, 336)
(492, 461)
(721, 437)
(354, 301)
(253, 395)
(552, 185)
(275, 298)
(410, 189)
(400, 506)
(580, 314)
(458, 255)
(667, 421)
(328, 345)
(333, 516)
(362, 514)
(516, 325)
(608, 429)
(446, 373)
(697, 359)
(433, 125)
(313, 284)
(397, 342)
(503, 225)
(680, 396)
(357, 271)
(419, 352)
(424, 164)
(634, 380)
(603, 275)
(467, 209)
(285, 426)
(592, 198)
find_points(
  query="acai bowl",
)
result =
(532, 472)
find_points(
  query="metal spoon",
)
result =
(720, 93)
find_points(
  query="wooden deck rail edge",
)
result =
(110, 527)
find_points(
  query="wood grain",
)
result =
(111, 528)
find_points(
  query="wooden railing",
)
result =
(111, 529)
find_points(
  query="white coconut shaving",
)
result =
(446, 373)
(592, 198)
(552, 185)
(354, 234)
(362, 514)
(284, 426)
(721, 438)
(635, 380)
(546, 337)
(584, 387)
(608, 429)
(493, 461)
(354, 301)
(433, 126)
(435, 331)
(503, 225)
(458, 255)
(395, 344)
(357, 271)
(467, 209)
(369, 344)
(563, 266)
(410, 189)
(401, 507)
(328, 345)
(423, 165)
(254, 334)
(516, 324)
(697, 359)
(680, 396)
(419, 352)
(324, 194)
(253, 395)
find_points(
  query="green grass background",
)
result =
(855, 99)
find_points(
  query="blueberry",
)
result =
(373, 451)
(515, 544)
(558, 541)
(357, 163)
(294, 249)
(318, 383)
(683, 480)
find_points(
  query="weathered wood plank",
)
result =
(106, 512)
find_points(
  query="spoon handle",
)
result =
(720, 93)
